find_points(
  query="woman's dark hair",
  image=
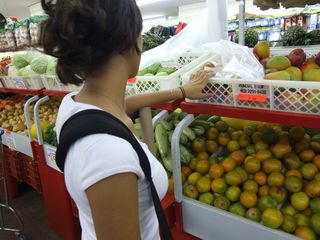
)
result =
(84, 34)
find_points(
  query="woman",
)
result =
(98, 43)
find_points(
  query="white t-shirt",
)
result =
(99, 156)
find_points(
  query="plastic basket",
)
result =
(184, 63)
(277, 95)
(31, 172)
(52, 82)
(8, 82)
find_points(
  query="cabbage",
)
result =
(19, 60)
(28, 72)
(40, 64)
(31, 55)
(12, 71)
(20, 72)
(52, 66)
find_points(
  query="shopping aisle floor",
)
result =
(31, 208)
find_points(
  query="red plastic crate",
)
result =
(31, 172)
(13, 163)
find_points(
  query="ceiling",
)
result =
(149, 8)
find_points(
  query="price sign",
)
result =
(10, 140)
(252, 92)
(51, 154)
(19, 83)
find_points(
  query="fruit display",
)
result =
(158, 70)
(267, 173)
(297, 36)
(251, 37)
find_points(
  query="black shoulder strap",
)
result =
(90, 122)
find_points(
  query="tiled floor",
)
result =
(31, 208)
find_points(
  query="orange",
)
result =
(202, 156)
(229, 164)
(186, 170)
(170, 185)
(193, 164)
(294, 173)
(315, 223)
(248, 199)
(261, 146)
(203, 166)
(291, 161)
(276, 179)
(233, 178)
(316, 161)
(293, 184)
(193, 178)
(260, 178)
(233, 193)
(301, 146)
(299, 201)
(239, 156)
(203, 184)
(211, 146)
(256, 137)
(244, 141)
(263, 155)
(198, 145)
(243, 173)
(278, 193)
(212, 133)
(216, 170)
(250, 185)
(312, 189)
(307, 155)
(224, 139)
(309, 171)
(272, 218)
(264, 191)
(279, 150)
(271, 165)
(233, 145)
(218, 185)
(252, 165)
(305, 233)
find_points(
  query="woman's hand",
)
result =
(198, 81)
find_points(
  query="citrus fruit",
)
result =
(315, 205)
(203, 184)
(294, 173)
(316, 161)
(270, 136)
(315, 146)
(242, 172)
(253, 214)
(263, 155)
(259, 146)
(280, 150)
(218, 185)
(317, 177)
(222, 203)
(193, 178)
(309, 171)
(293, 184)
(276, 179)
(284, 137)
(193, 164)
(212, 133)
(233, 193)
(256, 137)
(289, 224)
(307, 211)
(239, 156)
(302, 220)
(248, 199)
(252, 165)
(305, 233)
(203, 166)
(202, 156)
(207, 198)
(272, 218)
(236, 135)
(222, 126)
(289, 210)
(301, 146)
(186, 170)
(229, 164)
(296, 133)
(233, 145)
(211, 146)
(312, 189)
(291, 161)
(198, 145)
(271, 165)
(260, 178)
(244, 141)
(237, 209)
(224, 139)
(307, 155)
(250, 149)
(315, 223)
(216, 170)
(213, 159)
(250, 185)
(264, 191)
(191, 191)
(170, 185)
(278, 193)
(299, 201)
(233, 178)
(267, 202)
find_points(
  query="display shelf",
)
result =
(21, 91)
(54, 93)
(169, 106)
(287, 118)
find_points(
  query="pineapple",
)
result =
(251, 37)
(294, 36)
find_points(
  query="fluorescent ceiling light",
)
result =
(145, 2)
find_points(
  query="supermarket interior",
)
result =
(241, 157)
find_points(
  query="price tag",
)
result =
(252, 97)
(252, 92)
(10, 140)
(19, 83)
(132, 80)
(51, 154)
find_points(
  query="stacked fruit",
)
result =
(264, 172)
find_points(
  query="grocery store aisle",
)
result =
(31, 208)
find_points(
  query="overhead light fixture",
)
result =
(145, 2)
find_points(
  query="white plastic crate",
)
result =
(33, 82)
(184, 63)
(52, 82)
(8, 82)
(278, 95)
